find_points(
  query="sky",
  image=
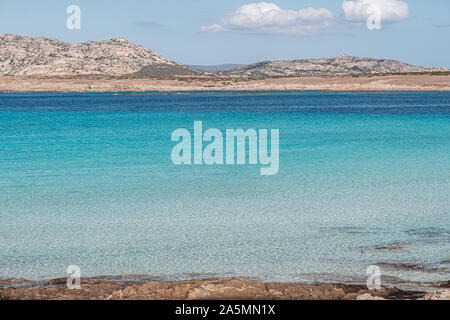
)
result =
(209, 32)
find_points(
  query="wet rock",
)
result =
(392, 247)
(350, 296)
(412, 267)
(227, 289)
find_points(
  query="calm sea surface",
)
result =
(87, 179)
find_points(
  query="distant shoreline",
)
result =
(186, 84)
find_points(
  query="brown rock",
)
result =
(368, 296)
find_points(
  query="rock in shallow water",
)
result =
(226, 289)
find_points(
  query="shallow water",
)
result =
(87, 179)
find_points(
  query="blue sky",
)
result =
(214, 32)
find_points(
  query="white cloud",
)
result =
(212, 28)
(265, 17)
(269, 18)
(389, 10)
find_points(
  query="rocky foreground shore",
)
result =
(210, 289)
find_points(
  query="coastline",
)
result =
(135, 288)
(409, 82)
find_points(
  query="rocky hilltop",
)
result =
(25, 56)
(342, 65)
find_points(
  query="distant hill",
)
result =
(342, 65)
(220, 67)
(25, 56)
(163, 70)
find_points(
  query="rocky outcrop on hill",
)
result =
(342, 65)
(26, 56)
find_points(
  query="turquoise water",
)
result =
(87, 180)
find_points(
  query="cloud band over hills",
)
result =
(269, 18)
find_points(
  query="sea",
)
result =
(87, 180)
